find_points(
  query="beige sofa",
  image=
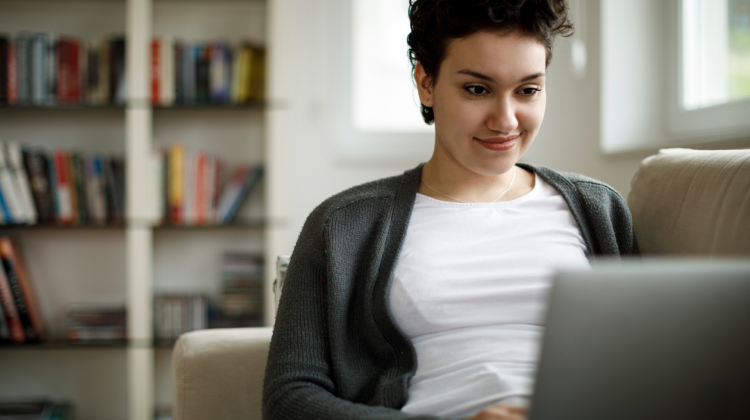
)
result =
(684, 202)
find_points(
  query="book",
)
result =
(176, 189)
(12, 72)
(15, 159)
(167, 72)
(51, 68)
(7, 301)
(202, 73)
(242, 181)
(63, 189)
(114, 189)
(23, 292)
(4, 44)
(36, 166)
(69, 73)
(156, 71)
(80, 183)
(10, 190)
(97, 198)
(23, 57)
(39, 55)
(88, 323)
(117, 76)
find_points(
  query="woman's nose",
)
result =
(503, 117)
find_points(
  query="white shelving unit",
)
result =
(130, 264)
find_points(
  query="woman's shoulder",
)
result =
(582, 184)
(368, 195)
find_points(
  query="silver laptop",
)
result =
(647, 340)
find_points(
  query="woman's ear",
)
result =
(424, 85)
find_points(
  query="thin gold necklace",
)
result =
(460, 201)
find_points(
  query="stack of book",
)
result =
(185, 73)
(190, 190)
(20, 319)
(178, 314)
(242, 277)
(64, 187)
(46, 69)
(87, 324)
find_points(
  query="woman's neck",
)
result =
(451, 181)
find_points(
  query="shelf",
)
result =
(253, 106)
(240, 225)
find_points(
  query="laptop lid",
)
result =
(647, 340)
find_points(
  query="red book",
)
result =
(68, 71)
(201, 172)
(9, 308)
(63, 188)
(155, 71)
(16, 273)
(12, 72)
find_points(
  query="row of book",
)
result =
(46, 69)
(177, 314)
(87, 324)
(50, 69)
(20, 318)
(64, 187)
(191, 191)
(242, 285)
(206, 73)
(69, 187)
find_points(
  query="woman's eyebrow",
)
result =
(491, 80)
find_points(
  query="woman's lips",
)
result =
(498, 143)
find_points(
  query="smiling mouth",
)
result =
(498, 144)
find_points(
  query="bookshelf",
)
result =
(130, 262)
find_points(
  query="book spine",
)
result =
(39, 69)
(179, 52)
(97, 193)
(119, 172)
(92, 74)
(104, 72)
(167, 67)
(176, 180)
(16, 163)
(156, 71)
(189, 185)
(242, 184)
(4, 45)
(79, 171)
(23, 293)
(70, 171)
(23, 55)
(63, 189)
(51, 69)
(7, 301)
(37, 170)
(11, 193)
(200, 188)
(12, 72)
(5, 216)
(202, 77)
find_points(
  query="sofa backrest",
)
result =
(693, 203)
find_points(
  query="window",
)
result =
(674, 73)
(376, 107)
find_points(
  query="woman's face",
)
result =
(489, 100)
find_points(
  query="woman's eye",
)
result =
(476, 90)
(530, 91)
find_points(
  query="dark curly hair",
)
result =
(434, 23)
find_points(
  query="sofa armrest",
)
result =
(218, 373)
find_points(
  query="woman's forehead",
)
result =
(496, 55)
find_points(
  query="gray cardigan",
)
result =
(336, 352)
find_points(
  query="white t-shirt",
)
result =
(469, 291)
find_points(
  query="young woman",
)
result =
(421, 295)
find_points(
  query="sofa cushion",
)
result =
(693, 202)
(218, 374)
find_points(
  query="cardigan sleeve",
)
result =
(610, 219)
(298, 382)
